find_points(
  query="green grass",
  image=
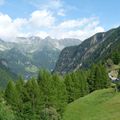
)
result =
(99, 105)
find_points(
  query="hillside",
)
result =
(97, 48)
(99, 105)
(5, 74)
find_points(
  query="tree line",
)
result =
(46, 97)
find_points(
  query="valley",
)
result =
(59, 60)
(28, 55)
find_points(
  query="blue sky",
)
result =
(57, 18)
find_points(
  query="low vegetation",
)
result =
(99, 105)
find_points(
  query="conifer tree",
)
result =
(60, 93)
(45, 83)
(20, 89)
(116, 57)
(83, 83)
(11, 95)
(98, 78)
(33, 100)
(76, 85)
(69, 87)
(91, 78)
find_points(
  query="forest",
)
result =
(45, 97)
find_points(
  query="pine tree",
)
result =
(11, 95)
(20, 89)
(83, 83)
(98, 78)
(116, 57)
(105, 79)
(76, 85)
(45, 83)
(59, 98)
(54, 91)
(91, 78)
(69, 87)
(33, 99)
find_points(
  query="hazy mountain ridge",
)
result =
(26, 55)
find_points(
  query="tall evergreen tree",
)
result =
(91, 78)
(54, 91)
(45, 83)
(76, 85)
(69, 87)
(116, 57)
(11, 95)
(98, 78)
(33, 100)
(60, 93)
(82, 76)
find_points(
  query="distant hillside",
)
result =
(99, 105)
(5, 74)
(27, 55)
(97, 48)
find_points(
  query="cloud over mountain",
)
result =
(45, 21)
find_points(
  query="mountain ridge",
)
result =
(28, 54)
(88, 52)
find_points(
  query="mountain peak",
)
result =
(48, 38)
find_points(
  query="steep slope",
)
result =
(99, 105)
(94, 49)
(5, 74)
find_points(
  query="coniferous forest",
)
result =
(46, 97)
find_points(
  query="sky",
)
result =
(57, 18)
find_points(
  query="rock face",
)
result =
(91, 50)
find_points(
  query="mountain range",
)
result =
(26, 55)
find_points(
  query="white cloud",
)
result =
(41, 18)
(70, 24)
(43, 23)
(2, 2)
(9, 28)
(81, 29)
(56, 6)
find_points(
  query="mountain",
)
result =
(100, 105)
(26, 55)
(97, 48)
(5, 73)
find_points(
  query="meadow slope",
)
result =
(99, 105)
